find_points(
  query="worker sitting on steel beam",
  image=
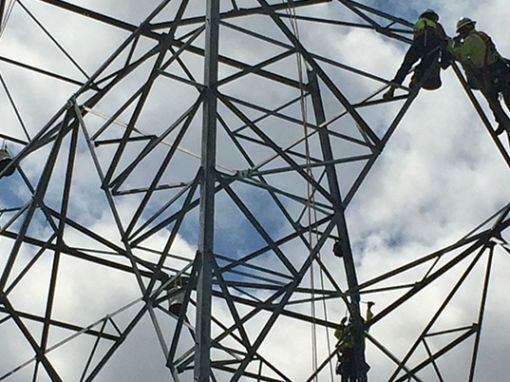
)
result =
(429, 46)
(485, 68)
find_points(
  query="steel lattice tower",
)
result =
(214, 144)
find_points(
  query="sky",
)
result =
(438, 177)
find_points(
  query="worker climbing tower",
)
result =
(177, 183)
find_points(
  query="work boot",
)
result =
(413, 83)
(501, 128)
(389, 94)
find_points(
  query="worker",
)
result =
(485, 68)
(339, 332)
(429, 46)
(346, 364)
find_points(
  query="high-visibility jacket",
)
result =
(345, 339)
(423, 25)
(370, 314)
(475, 51)
(341, 331)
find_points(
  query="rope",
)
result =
(7, 16)
(312, 212)
(13, 104)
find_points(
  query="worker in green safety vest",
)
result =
(485, 68)
(428, 47)
(346, 365)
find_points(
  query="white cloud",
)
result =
(439, 176)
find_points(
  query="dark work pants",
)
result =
(494, 83)
(348, 365)
(427, 50)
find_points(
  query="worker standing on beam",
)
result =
(485, 68)
(429, 46)
(346, 364)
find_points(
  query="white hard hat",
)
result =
(463, 22)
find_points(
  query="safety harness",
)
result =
(490, 47)
(424, 27)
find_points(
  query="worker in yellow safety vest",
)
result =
(429, 46)
(346, 365)
(485, 68)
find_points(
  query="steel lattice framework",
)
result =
(221, 123)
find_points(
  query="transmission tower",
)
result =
(206, 152)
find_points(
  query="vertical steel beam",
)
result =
(206, 234)
(485, 292)
(2, 12)
(334, 189)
